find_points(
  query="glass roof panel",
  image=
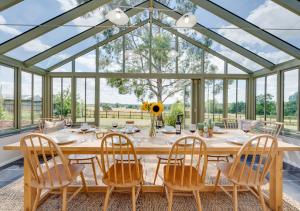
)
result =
(40, 11)
(66, 31)
(232, 32)
(59, 34)
(66, 68)
(89, 42)
(86, 62)
(267, 15)
(234, 70)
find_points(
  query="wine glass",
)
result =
(114, 124)
(192, 128)
(159, 124)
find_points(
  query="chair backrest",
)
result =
(266, 127)
(231, 123)
(187, 153)
(113, 146)
(254, 159)
(38, 148)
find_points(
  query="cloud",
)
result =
(35, 45)
(7, 29)
(267, 15)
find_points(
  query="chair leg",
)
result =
(99, 163)
(133, 199)
(156, 172)
(227, 159)
(198, 200)
(37, 199)
(217, 180)
(261, 198)
(83, 182)
(235, 198)
(94, 171)
(108, 191)
(170, 202)
(64, 199)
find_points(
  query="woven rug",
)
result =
(12, 200)
(11, 197)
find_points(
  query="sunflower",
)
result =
(156, 108)
(145, 106)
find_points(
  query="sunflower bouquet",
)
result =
(155, 109)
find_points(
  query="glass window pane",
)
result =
(213, 64)
(214, 100)
(61, 97)
(162, 43)
(86, 63)
(7, 97)
(137, 50)
(234, 70)
(37, 98)
(241, 99)
(232, 98)
(291, 95)
(190, 57)
(85, 100)
(271, 95)
(63, 69)
(260, 99)
(111, 56)
(26, 98)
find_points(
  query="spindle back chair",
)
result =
(118, 170)
(251, 165)
(267, 127)
(49, 167)
(186, 168)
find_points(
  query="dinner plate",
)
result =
(240, 140)
(63, 139)
(169, 131)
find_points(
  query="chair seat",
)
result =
(75, 170)
(125, 157)
(81, 156)
(127, 181)
(187, 184)
(245, 179)
(166, 157)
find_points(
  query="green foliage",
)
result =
(2, 112)
(106, 107)
(62, 108)
(238, 107)
(290, 107)
(176, 109)
(270, 105)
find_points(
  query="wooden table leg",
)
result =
(276, 183)
(29, 192)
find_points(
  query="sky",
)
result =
(264, 13)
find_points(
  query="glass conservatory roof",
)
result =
(229, 39)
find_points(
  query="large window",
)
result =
(266, 94)
(237, 99)
(31, 98)
(7, 97)
(85, 100)
(61, 97)
(291, 95)
(214, 100)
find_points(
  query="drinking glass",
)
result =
(193, 128)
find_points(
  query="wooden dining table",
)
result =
(86, 143)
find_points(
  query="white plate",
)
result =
(240, 140)
(63, 139)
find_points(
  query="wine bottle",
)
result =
(178, 125)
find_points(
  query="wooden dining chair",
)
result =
(188, 174)
(54, 173)
(88, 159)
(228, 123)
(267, 127)
(250, 167)
(55, 121)
(120, 173)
